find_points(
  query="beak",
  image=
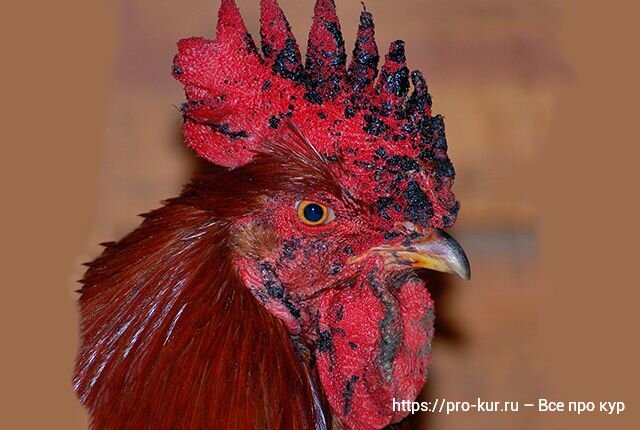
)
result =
(432, 249)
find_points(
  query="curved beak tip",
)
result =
(465, 270)
(433, 250)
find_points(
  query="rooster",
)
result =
(278, 290)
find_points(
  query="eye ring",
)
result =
(313, 213)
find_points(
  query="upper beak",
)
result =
(431, 249)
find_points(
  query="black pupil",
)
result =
(313, 212)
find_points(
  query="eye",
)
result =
(312, 213)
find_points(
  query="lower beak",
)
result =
(433, 249)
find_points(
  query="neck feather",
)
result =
(172, 339)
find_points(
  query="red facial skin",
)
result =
(370, 327)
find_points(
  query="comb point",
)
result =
(393, 84)
(326, 57)
(364, 66)
(231, 27)
(279, 45)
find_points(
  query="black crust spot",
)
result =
(382, 204)
(339, 57)
(382, 153)
(289, 248)
(314, 97)
(397, 83)
(397, 52)
(348, 393)
(386, 108)
(267, 50)
(274, 122)
(275, 289)
(336, 267)
(286, 63)
(250, 45)
(404, 163)
(419, 209)
(374, 125)
(366, 20)
(391, 337)
(224, 129)
(325, 341)
(444, 168)
(349, 112)
(420, 98)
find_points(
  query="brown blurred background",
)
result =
(536, 95)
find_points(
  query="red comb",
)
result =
(237, 99)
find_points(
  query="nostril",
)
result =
(413, 235)
(390, 235)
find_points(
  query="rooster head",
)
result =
(350, 184)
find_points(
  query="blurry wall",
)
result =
(549, 311)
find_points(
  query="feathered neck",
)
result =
(172, 339)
